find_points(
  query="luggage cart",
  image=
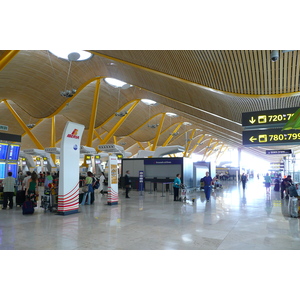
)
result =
(183, 194)
(48, 199)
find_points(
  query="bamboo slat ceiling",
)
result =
(208, 88)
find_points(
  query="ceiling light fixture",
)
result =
(172, 115)
(148, 101)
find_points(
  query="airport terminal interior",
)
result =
(233, 219)
(226, 112)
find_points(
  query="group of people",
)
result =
(90, 184)
(207, 181)
(29, 184)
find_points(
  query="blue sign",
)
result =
(141, 180)
(163, 161)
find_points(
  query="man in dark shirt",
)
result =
(207, 186)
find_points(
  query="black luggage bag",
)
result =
(28, 207)
(20, 198)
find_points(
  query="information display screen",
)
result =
(269, 118)
(13, 152)
(12, 168)
(271, 137)
(2, 170)
(3, 150)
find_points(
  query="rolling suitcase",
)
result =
(293, 203)
(20, 198)
(28, 207)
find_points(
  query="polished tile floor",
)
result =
(233, 220)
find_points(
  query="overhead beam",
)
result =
(7, 57)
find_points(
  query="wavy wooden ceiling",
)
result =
(208, 88)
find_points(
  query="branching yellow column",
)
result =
(158, 132)
(119, 123)
(206, 150)
(213, 147)
(221, 153)
(141, 146)
(189, 143)
(171, 135)
(23, 125)
(196, 145)
(93, 114)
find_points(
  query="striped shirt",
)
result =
(9, 184)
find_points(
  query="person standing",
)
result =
(101, 180)
(244, 180)
(48, 180)
(25, 180)
(89, 184)
(8, 190)
(127, 183)
(176, 186)
(207, 185)
(268, 181)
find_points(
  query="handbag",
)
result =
(85, 188)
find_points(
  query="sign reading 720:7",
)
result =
(268, 118)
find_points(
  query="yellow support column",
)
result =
(196, 145)
(189, 143)
(93, 114)
(23, 125)
(206, 150)
(119, 123)
(158, 132)
(53, 137)
(221, 153)
(141, 146)
(213, 147)
(7, 57)
(171, 135)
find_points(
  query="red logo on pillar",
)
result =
(73, 135)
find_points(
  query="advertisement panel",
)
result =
(68, 190)
(112, 192)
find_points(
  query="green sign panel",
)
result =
(271, 137)
(4, 127)
(268, 118)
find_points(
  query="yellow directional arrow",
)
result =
(252, 139)
(252, 120)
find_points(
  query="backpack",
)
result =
(96, 185)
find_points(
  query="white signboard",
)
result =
(68, 189)
(112, 192)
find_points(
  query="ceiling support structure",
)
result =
(23, 125)
(206, 150)
(53, 137)
(213, 147)
(93, 114)
(141, 146)
(188, 144)
(119, 123)
(153, 148)
(220, 151)
(196, 145)
(172, 134)
(7, 57)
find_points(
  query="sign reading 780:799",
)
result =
(271, 137)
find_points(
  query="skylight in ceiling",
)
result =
(148, 101)
(117, 83)
(77, 55)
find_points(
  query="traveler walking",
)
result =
(8, 190)
(176, 186)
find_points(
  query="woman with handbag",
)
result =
(87, 188)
